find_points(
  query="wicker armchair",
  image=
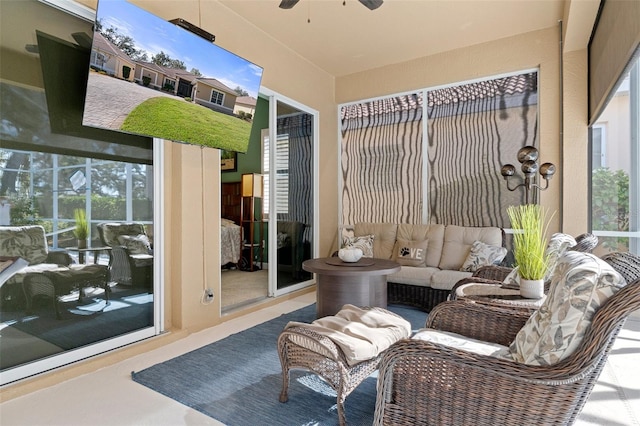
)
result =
(49, 273)
(131, 255)
(422, 382)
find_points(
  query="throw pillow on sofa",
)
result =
(410, 253)
(364, 243)
(482, 254)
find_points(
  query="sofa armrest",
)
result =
(59, 257)
(479, 321)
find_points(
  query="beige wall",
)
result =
(192, 176)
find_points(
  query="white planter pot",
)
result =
(531, 289)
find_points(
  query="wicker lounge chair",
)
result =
(422, 382)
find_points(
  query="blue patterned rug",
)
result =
(237, 380)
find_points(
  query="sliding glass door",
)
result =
(290, 165)
(78, 296)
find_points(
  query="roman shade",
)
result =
(614, 42)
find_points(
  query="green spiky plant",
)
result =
(82, 226)
(530, 225)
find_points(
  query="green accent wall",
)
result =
(251, 161)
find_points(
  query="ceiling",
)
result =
(345, 39)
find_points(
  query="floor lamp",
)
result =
(528, 157)
(252, 188)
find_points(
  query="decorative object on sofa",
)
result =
(446, 382)
(528, 157)
(482, 254)
(363, 242)
(585, 242)
(82, 228)
(350, 254)
(250, 220)
(625, 263)
(410, 253)
(529, 247)
(131, 254)
(338, 351)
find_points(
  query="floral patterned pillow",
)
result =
(558, 244)
(580, 285)
(364, 243)
(482, 254)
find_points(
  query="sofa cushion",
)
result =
(413, 275)
(458, 241)
(410, 253)
(364, 243)
(434, 233)
(446, 279)
(482, 254)
(385, 237)
(581, 283)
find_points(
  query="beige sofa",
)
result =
(447, 250)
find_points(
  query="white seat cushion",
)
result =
(467, 344)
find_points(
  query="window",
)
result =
(615, 168)
(168, 83)
(217, 97)
(598, 147)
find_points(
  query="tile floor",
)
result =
(109, 396)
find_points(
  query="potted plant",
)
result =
(530, 224)
(82, 228)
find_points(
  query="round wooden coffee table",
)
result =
(363, 283)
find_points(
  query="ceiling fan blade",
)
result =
(288, 4)
(370, 4)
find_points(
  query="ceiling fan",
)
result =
(370, 4)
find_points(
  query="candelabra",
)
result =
(528, 157)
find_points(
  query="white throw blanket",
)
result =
(361, 333)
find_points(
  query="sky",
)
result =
(153, 34)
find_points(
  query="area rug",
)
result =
(237, 380)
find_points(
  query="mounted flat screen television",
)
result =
(154, 78)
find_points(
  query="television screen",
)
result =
(151, 77)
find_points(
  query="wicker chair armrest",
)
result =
(492, 272)
(420, 360)
(59, 257)
(479, 321)
(471, 280)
